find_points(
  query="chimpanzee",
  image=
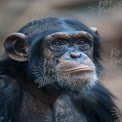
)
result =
(50, 73)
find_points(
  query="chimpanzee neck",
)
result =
(47, 93)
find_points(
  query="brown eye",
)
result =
(57, 43)
(81, 42)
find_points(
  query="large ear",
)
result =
(16, 46)
(94, 29)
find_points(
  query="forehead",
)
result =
(70, 34)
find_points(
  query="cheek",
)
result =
(89, 63)
(49, 61)
(90, 53)
(47, 53)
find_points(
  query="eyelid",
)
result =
(60, 40)
(83, 39)
(86, 41)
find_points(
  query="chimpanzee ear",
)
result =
(16, 46)
(94, 29)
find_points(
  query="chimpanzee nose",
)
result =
(75, 55)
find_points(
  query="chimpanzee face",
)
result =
(64, 56)
(67, 60)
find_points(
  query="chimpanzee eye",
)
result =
(83, 44)
(57, 43)
(81, 41)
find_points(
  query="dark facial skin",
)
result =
(67, 55)
(77, 41)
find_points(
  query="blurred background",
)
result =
(104, 14)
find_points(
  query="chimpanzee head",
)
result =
(57, 50)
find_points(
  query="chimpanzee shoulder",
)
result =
(10, 99)
(97, 104)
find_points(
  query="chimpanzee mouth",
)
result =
(77, 70)
(66, 67)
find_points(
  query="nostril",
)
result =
(75, 55)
